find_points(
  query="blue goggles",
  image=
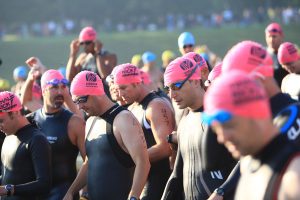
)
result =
(221, 116)
(178, 85)
(56, 82)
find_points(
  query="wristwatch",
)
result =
(8, 189)
(169, 138)
(220, 191)
(133, 198)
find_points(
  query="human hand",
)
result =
(34, 62)
(215, 196)
(98, 46)
(74, 47)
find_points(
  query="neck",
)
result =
(50, 110)
(103, 104)
(143, 92)
(197, 98)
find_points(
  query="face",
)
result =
(53, 95)
(292, 67)
(186, 49)
(128, 93)
(84, 103)
(239, 135)
(88, 46)
(114, 93)
(274, 40)
(8, 123)
(179, 92)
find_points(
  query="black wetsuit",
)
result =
(64, 153)
(26, 158)
(280, 101)
(110, 168)
(263, 171)
(160, 170)
(202, 164)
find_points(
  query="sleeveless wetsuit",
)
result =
(263, 170)
(110, 168)
(160, 170)
(26, 158)
(64, 153)
(202, 164)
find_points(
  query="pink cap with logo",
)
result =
(87, 83)
(179, 69)
(239, 94)
(9, 102)
(127, 74)
(197, 58)
(215, 73)
(287, 53)
(87, 34)
(274, 28)
(250, 57)
(49, 76)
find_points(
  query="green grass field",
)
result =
(54, 51)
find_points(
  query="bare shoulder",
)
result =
(76, 122)
(159, 103)
(124, 118)
(290, 183)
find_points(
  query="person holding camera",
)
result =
(93, 58)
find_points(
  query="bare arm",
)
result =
(76, 132)
(134, 142)
(72, 67)
(27, 99)
(162, 122)
(290, 184)
(105, 63)
(68, 103)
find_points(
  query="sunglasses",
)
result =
(56, 82)
(178, 85)
(82, 99)
(274, 30)
(86, 43)
(221, 116)
(188, 46)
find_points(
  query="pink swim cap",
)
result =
(250, 57)
(215, 73)
(235, 93)
(197, 58)
(127, 74)
(179, 69)
(9, 102)
(273, 28)
(49, 76)
(287, 53)
(87, 83)
(145, 77)
(87, 34)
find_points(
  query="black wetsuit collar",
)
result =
(106, 115)
(147, 97)
(271, 149)
(198, 109)
(23, 128)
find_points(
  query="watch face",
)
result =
(133, 198)
(220, 191)
(8, 187)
